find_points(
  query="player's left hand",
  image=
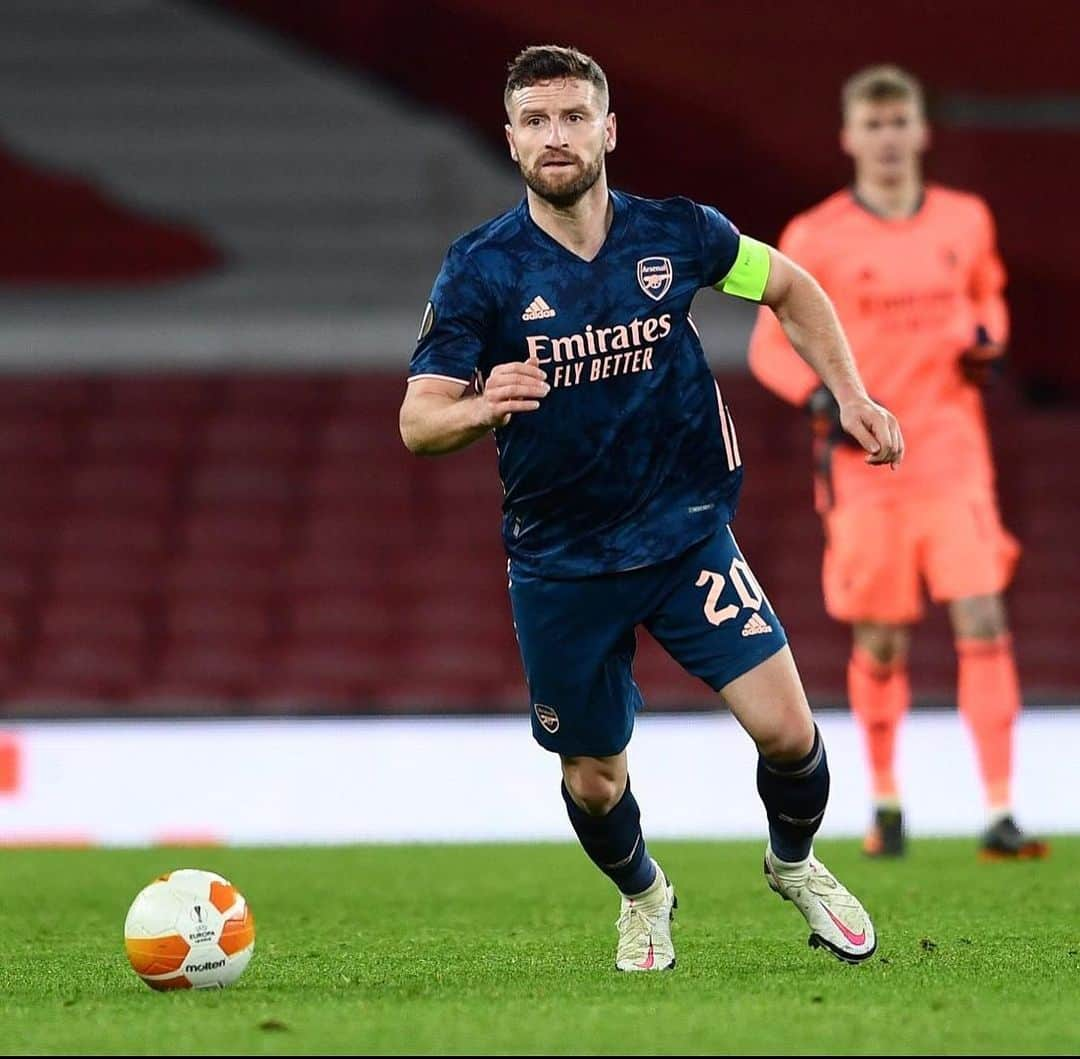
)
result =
(875, 428)
(824, 415)
(983, 362)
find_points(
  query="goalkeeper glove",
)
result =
(983, 364)
(824, 415)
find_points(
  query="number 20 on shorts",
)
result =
(746, 586)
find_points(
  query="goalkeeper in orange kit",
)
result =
(915, 276)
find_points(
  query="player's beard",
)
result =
(564, 195)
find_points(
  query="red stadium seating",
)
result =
(154, 555)
(220, 676)
(224, 620)
(37, 440)
(98, 621)
(208, 577)
(159, 438)
(80, 674)
(138, 535)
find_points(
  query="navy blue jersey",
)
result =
(631, 458)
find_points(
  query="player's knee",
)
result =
(987, 628)
(597, 791)
(789, 740)
(979, 618)
(887, 645)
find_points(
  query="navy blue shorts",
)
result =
(577, 639)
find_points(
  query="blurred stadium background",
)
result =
(221, 573)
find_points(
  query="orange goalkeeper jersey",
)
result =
(910, 294)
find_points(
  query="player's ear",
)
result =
(510, 141)
(609, 132)
(845, 141)
(925, 136)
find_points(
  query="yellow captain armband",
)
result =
(750, 272)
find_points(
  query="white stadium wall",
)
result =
(463, 779)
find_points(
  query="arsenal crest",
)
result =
(547, 717)
(654, 276)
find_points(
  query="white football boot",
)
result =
(838, 921)
(644, 927)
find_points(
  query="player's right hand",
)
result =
(875, 428)
(510, 388)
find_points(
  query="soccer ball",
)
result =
(189, 929)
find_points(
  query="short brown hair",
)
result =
(550, 62)
(879, 84)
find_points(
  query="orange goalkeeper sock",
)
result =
(880, 695)
(988, 694)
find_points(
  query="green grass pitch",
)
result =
(510, 948)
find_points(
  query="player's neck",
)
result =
(892, 201)
(582, 227)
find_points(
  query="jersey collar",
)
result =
(620, 216)
(864, 205)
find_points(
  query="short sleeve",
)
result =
(797, 241)
(719, 244)
(454, 328)
(773, 361)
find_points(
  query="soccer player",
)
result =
(914, 272)
(621, 472)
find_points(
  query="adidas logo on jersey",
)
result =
(755, 626)
(538, 309)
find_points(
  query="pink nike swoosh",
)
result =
(646, 964)
(855, 939)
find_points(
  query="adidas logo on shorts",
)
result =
(538, 309)
(755, 626)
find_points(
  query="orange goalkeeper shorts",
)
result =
(878, 555)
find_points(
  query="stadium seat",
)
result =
(162, 438)
(144, 395)
(34, 492)
(19, 580)
(103, 577)
(254, 435)
(37, 440)
(130, 486)
(246, 486)
(44, 395)
(332, 675)
(137, 535)
(344, 618)
(77, 675)
(198, 675)
(12, 629)
(287, 394)
(315, 574)
(205, 620)
(24, 534)
(360, 531)
(63, 621)
(240, 576)
(213, 533)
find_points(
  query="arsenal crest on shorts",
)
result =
(547, 717)
(654, 274)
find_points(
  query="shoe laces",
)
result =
(636, 922)
(824, 885)
(820, 881)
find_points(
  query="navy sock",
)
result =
(795, 794)
(614, 842)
